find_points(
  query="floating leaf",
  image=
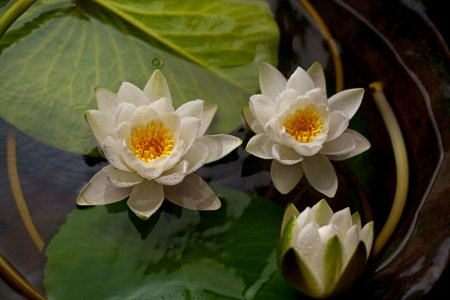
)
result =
(59, 51)
(106, 252)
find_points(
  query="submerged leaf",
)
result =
(57, 53)
(225, 254)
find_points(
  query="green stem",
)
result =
(401, 165)
(12, 13)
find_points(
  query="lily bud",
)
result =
(323, 253)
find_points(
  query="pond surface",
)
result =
(393, 43)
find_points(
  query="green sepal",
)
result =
(323, 212)
(353, 270)
(332, 264)
(290, 211)
(286, 236)
(298, 275)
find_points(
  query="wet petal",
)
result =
(129, 93)
(322, 212)
(307, 243)
(347, 101)
(102, 124)
(189, 131)
(337, 124)
(260, 145)
(146, 198)
(351, 242)
(361, 145)
(162, 105)
(196, 157)
(174, 175)
(251, 122)
(285, 155)
(208, 114)
(219, 145)
(100, 191)
(191, 109)
(317, 76)
(366, 236)
(106, 100)
(121, 178)
(271, 81)
(320, 174)
(340, 146)
(156, 87)
(300, 81)
(342, 219)
(262, 108)
(111, 150)
(285, 177)
(193, 193)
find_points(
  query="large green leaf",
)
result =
(108, 253)
(58, 52)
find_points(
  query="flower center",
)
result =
(304, 124)
(151, 141)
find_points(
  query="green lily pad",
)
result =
(59, 51)
(106, 252)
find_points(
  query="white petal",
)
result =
(189, 131)
(300, 81)
(174, 175)
(156, 87)
(307, 243)
(317, 76)
(106, 100)
(143, 115)
(129, 93)
(124, 112)
(342, 219)
(192, 193)
(121, 178)
(262, 108)
(337, 124)
(260, 145)
(347, 101)
(111, 150)
(320, 174)
(219, 145)
(322, 212)
(285, 177)
(306, 149)
(350, 243)
(146, 198)
(191, 109)
(162, 105)
(196, 157)
(100, 191)
(285, 155)
(340, 146)
(251, 121)
(208, 114)
(102, 124)
(366, 236)
(328, 231)
(305, 217)
(361, 145)
(271, 81)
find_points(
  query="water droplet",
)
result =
(158, 62)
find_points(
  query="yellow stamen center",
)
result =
(304, 124)
(151, 141)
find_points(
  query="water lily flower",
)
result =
(153, 149)
(301, 129)
(323, 253)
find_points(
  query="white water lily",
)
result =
(323, 253)
(298, 127)
(153, 149)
